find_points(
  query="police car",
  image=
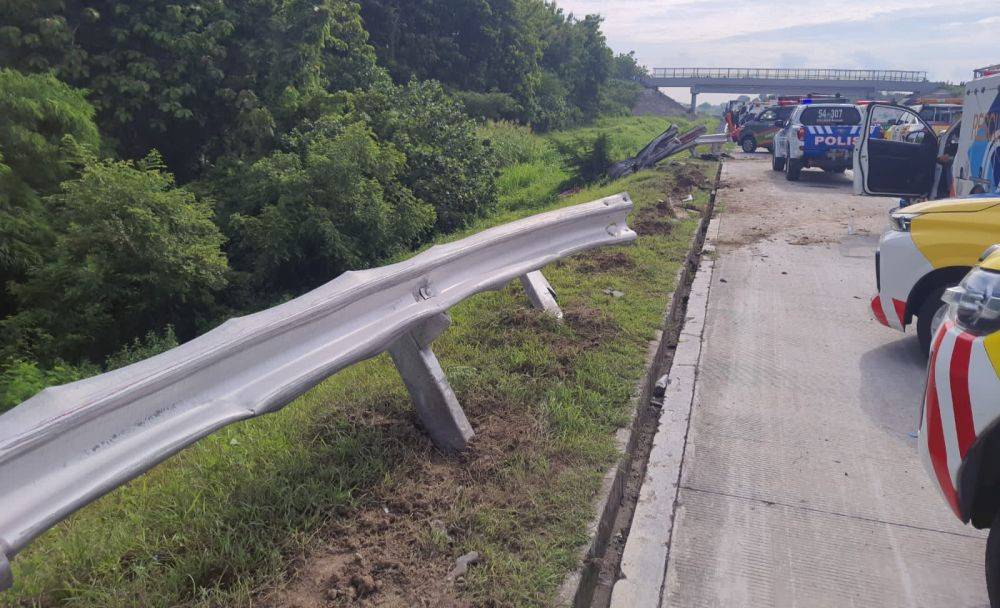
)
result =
(817, 135)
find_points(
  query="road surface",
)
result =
(800, 483)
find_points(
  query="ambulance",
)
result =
(930, 246)
(959, 438)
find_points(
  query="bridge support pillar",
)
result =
(694, 100)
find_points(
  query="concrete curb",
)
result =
(578, 589)
(644, 560)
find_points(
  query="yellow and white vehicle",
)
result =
(939, 114)
(959, 439)
(928, 248)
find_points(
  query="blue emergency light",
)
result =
(806, 101)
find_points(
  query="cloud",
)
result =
(890, 34)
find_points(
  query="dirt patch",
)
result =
(652, 102)
(651, 226)
(602, 260)
(397, 548)
(591, 325)
(660, 218)
(689, 177)
(812, 240)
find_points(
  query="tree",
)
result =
(133, 253)
(329, 201)
(43, 123)
(446, 164)
(182, 76)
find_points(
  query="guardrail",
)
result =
(71, 444)
(792, 73)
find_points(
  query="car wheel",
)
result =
(777, 163)
(837, 170)
(748, 143)
(993, 562)
(929, 318)
(793, 169)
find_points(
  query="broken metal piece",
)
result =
(541, 294)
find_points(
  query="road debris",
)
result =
(662, 146)
(462, 564)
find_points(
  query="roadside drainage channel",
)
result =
(624, 504)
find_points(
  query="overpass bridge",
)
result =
(857, 84)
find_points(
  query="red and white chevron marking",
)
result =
(961, 400)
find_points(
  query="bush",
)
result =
(21, 379)
(42, 121)
(134, 252)
(589, 159)
(332, 200)
(139, 350)
(513, 144)
(489, 106)
(446, 164)
(618, 97)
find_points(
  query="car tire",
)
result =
(793, 169)
(837, 170)
(993, 562)
(925, 317)
(749, 144)
(777, 163)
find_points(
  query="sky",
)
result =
(948, 39)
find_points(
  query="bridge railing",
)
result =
(70, 444)
(791, 74)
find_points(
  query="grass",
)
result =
(345, 469)
(533, 168)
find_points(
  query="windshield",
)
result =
(840, 115)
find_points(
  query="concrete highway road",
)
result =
(800, 484)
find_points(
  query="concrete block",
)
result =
(688, 349)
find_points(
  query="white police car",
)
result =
(817, 135)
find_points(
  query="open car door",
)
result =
(896, 155)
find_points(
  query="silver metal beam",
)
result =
(70, 444)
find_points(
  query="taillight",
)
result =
(801, 133)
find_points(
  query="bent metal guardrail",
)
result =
(70, 444)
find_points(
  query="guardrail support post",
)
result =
(540, 293)
(429, 390)
(6, 576)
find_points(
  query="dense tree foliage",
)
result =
(43, 122)
(134, 253)
(522, 59)
(191, 78)
(165, 164)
